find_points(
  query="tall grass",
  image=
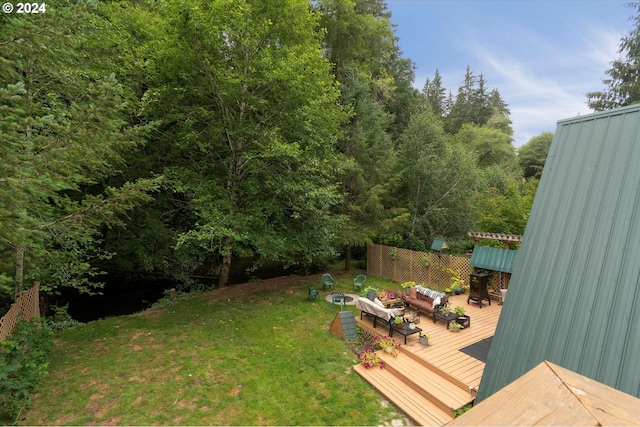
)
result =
(267, 358)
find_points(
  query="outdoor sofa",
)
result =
(425, 299)
(377, 310)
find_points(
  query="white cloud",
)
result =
(550, 82)
(543, 69)
(602, 42)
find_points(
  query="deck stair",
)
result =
(424, 393)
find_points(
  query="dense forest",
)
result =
(172, 137)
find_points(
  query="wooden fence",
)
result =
(27, 305)
(426, 268)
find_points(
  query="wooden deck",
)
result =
(410, 378)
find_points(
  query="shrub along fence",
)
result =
(27, 305)
(427, 268)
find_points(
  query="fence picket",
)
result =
(409, 266)
(26, 306)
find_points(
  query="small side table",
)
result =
(389, 302)
(448, 317)
(404, 330)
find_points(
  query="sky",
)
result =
(543, 56)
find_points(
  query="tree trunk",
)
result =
(225, 270)
(19, 271)
(347, 257)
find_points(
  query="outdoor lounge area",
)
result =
(429, 383)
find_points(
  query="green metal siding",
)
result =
(574, 295)
(495, 259)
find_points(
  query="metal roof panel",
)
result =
(574, 295)
(496, 259)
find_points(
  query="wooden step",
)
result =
(413, 403)
(434, 368)
(445, 394)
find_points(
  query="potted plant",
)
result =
(455, 327)
(423, 338)
(457, 285)
(462, 319)
(370, 358)
(384, 295)
(426, 261)
(398, 321)
(388, 344)
(406, 286)
(445, 310)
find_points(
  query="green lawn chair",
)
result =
(358, 282)
(327, 281)
(338, 298)
(313, 293)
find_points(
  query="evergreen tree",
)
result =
(623, 83)
(435, 94)
(473, 104)
(63, 133)
(376, 88)
(497, 103)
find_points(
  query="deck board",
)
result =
(434, 384)
(444, 345)
(417, 407)
(443, 354)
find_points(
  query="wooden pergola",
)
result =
(506, 239)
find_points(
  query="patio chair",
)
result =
(338, 298)
(313, 293)
(358, 282)
(327, 281)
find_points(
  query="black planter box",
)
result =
(465, 321)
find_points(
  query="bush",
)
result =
(171, 297)
(23, 362)
(61, 320)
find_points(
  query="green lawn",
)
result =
(264, 358)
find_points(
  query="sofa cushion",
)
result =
(424, 298)
(430, 293)
(368, 306)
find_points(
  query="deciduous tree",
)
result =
(249, 121)
(533, 155)
(438, 180)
